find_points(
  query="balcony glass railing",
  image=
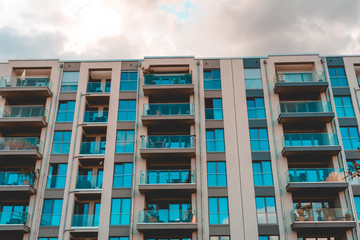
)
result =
(9, 218)
(89, 182)
(96, 117)
(22, 111)
(85, 220)
(30, 81)
(174, 141)
(20, 144)
(310, 139)
(169, 79)
(299, 77)
(322, 214)
(16, 178)
(99, 87)
(305, 107)
(56, 181)
(88, 148)
(167, 216)
(167, 176)
(315, 175)
(168, 109)
(50, 219)
(213, 113)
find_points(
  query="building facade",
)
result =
(180, 148)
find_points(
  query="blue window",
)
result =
(256, 108)
(125, 141)
(127, 110)
(357, 205)
(51, 214)
(338, 77)
(213, 108)
(119, 238)
(262, 173)
(69, 82)
(215, 140)
(265, 210)
(344, 107)
(66, 111)
(50, 238)
(212, 79)
(123, 175)
(128, 81)
(216, 174)
(259, 139)
(61, 143)
(218, 211)
(120, 211)
(270, 238)
(57, 176)
(219, 237)
(350, 137)
(252, 78)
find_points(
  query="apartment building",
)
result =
(180, 148)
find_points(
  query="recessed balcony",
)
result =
(98, 93)
(176, 113)
(16, 182)
(15, 222)
(22, 147)
(93, 148)
(310, 143)
(85, 221)
(168, 85)
(86, 183)
(23, 116)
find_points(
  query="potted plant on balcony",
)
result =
(29, 173)
(328, 213)
(309, 212)
(319, 213)
(299, 212)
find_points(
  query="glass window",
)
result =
(61, 143)
(125, 141)
(216, 174)
(119, 238)
(357, 205)
(123, 175)
(120, 211)
(69, 82)
(262, 173)
(213, 108)
(268, 237)
(66, 111)
(344, 107)
(128, 81)
(50, 238)
(212, 79)
(350, 137)
(127, 110)
(338, 77)
(265, 209)
(218, 211)
(253, 78)
(259, 139)
(57, 176)
(256, 108)
(215, 141)
(51, 212)
(219, 237)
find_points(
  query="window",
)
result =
(256, 108)
(127, 110)
(218, 211)
(219, 238)
(344, 106)
(212, 79)
(57, 176)
(51, 212)
(125, 141)
(128, 81)
(123, 175)
(119, 238)
(259, 139)
(357, 205)
(338, 77)
(215, 140)
(61, 143)
(120, 211)
(216, 174)
(262, 173)
(265, 209)
(69, 82)
(50, 238)
(66, 111)
(213, 108)
(253, 78)
(268, 237)
(350, 137)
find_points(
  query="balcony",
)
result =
(168, 85)
(182, 113)
(55, 181)
(93, 148)
(86, 182)
(310, 143)
(316, 179)
(158, 180)
(322, 218)
(294, 82)
(96, 117)
(23, 147)
(309, 111)
(23, 116)
(15, 222)
(85, 221)
(99, 87)
(98, 93)
(167, 146)
(11, 182)
(164, 219)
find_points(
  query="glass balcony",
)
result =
(305, 107)
(89, 148)
(168, 109)
(50, 219)
(310, 139)
(322, 214)
(263, 179)
(312, 175)
(16, 179)
(56, 182)
(167, 142)
(8, 218)
(98, 87)
(167, 216)
(169, 79)
(298, 77)
(85, 220)
(96, 117)
(89, 182)
(22, 111)
(20, 144)
(213, 113)
(167, 176)
(30, 81)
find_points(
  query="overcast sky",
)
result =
(123, 29)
